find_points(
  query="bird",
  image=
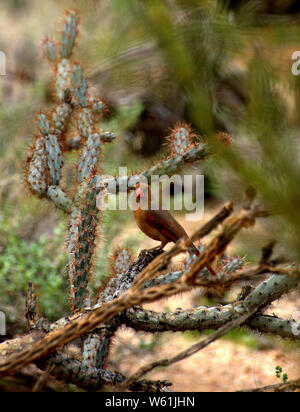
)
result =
(159, 224)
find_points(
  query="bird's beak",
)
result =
(139, 192)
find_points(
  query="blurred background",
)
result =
(218, 65)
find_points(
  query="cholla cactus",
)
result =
(229, 264)
(120, 262)
(73, 125)
(45, 163)
(130, 283)
(182, 149)
(55, 136)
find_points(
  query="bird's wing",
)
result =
(165, 223)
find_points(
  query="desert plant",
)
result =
(73, 125)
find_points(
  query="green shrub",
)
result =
(43, 262)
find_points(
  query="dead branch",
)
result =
(40, 384)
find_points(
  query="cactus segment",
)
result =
(97, 106)
(79, 85)
(89, 157)
(60, 118)
(82, 243)
(54, 158)
(85, 123)
(107, 137)
(69, 34)
(43, 123)
(60, 199)
(121, 261)
(174, 164)
(63, 78)
(181, 139)
(37, 169)
(50, 50)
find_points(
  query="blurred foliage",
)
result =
(196, 39)
(41, 262)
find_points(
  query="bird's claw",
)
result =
(152, 252)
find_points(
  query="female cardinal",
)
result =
(159, 224)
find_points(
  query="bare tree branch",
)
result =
(43, 379)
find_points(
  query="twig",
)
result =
(243, 275)
(217, 246)
(43, 379)
(267, 252)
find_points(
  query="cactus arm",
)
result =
(82, 244)
(121, 262)
(203, 318)
(90, 156)
(79, 85)
(60, 118)
(97, 343)
(174, 164)
(90, 378)
(50, 50)
(165, 167)
(54, 158)
(63, 79)
(68, 34)
(270, 290)
(60, 199)
(37, 168)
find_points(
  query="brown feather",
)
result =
(163, 221)
(161, 225)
